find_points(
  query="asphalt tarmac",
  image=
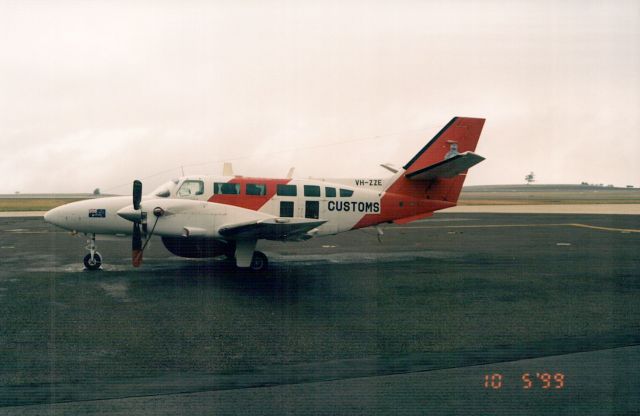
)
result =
(459, 314)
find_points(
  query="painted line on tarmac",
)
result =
(482, 226)
(593, 227)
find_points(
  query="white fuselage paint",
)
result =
(341, 213)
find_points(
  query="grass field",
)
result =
(547, 194)
(33, 204)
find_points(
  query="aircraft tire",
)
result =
(95, 264)
(259, 262)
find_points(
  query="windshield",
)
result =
(190, 188)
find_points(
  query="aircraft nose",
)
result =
(53, 216)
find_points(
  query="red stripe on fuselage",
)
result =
(253, 202)
(394, 206)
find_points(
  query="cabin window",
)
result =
(225, 188)
(312, 209)
(256, 189)
(330, 192)
(311, 190)
(286, 208)
(287, 190)
(189, 188)
(346, 192)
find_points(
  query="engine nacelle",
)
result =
(198, 248)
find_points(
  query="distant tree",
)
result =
(530, 178)
(584, 183)
(96, 191)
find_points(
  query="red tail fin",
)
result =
(460, 135)
(433, 178)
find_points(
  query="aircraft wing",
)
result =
(272, 229)
(448, 168)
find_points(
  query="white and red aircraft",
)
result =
(209, 216)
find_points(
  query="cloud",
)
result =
(96, 94)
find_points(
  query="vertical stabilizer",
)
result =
(460, 135)
(455, 143)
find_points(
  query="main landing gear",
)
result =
(93, 260)
(248, 257)
(259, 262)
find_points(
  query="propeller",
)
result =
(139, 219)
(136, 241)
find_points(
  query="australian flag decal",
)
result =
(97, 213)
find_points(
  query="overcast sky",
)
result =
(97, 93)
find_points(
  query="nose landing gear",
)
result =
(93, 260)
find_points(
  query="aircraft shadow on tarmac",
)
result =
(282, 282)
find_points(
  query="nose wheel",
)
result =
(93, 263)
(93, 260)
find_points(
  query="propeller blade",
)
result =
(136, 258)
(136, 243)
(137, 194)
(136, 246)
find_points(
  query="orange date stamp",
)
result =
(537, 380)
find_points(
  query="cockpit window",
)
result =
(190, 188)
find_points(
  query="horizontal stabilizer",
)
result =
(448, 168)
(272, 229)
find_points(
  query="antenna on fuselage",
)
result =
(227, 169)
(290, 173)
(389, 167)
